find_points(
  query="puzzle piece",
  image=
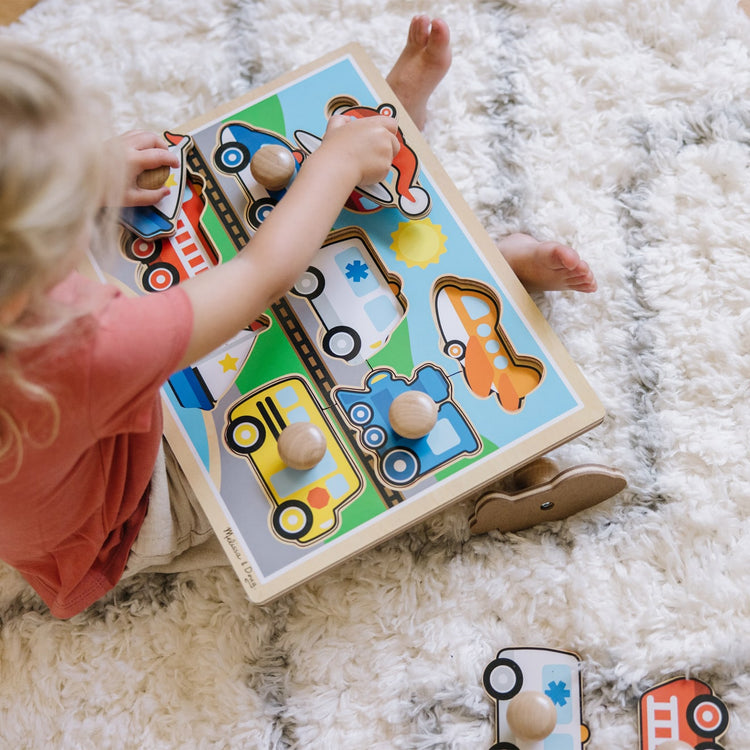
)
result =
(468, 316)
(545, 494)
(405, 192)
(684, 712)
(537, 694)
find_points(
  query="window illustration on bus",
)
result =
(555, 676)
(238, 144)
(306, 503)
(202, 384)
(358, 303)
(402, 461)
(468, 318)
(682, 709)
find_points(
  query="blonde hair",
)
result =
(53, 178)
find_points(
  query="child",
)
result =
(87, 494)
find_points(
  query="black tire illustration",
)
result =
(232, 157)
(245, 435)
(142, 250)
(342, 342)
(159, 277)
(455, 349)
(258, 210)
(292, 520)
(511, 674)
(400, 466)
(310, 284)
(707, 716)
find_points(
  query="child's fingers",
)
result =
(395, 145)
(336, 121)
(144, 150)
(363, 123)
(142, 197)
(391, 125)
(144, 139)
(157, 157)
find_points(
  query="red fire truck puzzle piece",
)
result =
(682, 709)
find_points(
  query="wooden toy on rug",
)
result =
(681, 713)
(531, 715)
(408, 344)
(302, 445)
(537, 692)
(544, 493)
(151, 179)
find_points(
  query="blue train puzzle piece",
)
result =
(402, 461)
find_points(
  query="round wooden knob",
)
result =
(674, 745)
(151, 179)
(302, 445)
(413, 414)
(537, 472)
(273, 166)
(531, 716)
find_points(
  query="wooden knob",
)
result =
(151, 179)
(273, 166)
(531, 716)
(674, 745)
(413, 414)
(537, 472)
(302, 445)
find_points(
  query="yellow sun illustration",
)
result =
(418, 243)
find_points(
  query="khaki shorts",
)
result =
(176, 535)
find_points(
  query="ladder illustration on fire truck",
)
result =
(188, 248)
(663, 720)
(682, 709)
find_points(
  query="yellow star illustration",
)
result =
(228, 363)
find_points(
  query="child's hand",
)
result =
(144, 151)
(369, 145)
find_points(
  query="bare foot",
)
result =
(546, 266)
(421, 66)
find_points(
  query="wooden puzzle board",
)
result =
(409, 292)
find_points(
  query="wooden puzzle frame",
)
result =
(540, 401)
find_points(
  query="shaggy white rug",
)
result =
(619, 126)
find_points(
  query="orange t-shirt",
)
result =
(70, 515)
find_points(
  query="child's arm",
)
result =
(231, 295)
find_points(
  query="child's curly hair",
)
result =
(53, 179)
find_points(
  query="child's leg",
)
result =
(541, 266)
(421, 66)
(546, 266)
(176, 535)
